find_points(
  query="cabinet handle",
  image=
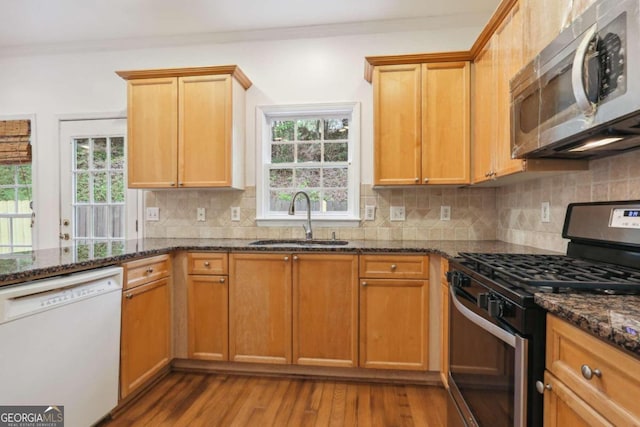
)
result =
(295, 257)
(364, 283)
(150, 270)
(221, 280)
(426, 180)
(286, 258)
(128, 296)
(541, 387)
(417, 180)
(393, 267)
(588, 373)
(206, 264)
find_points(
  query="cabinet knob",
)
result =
(181, 184)
(417, 180)
(221, 280)
(541, 387)
(173, 184)
(588, 373)
(364, 283)
(286, 258)
(149, 270)
(295, 257)
(426, 180)
(128, 296)
(206, 264)
(393, 267)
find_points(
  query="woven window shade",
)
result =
(15, 142)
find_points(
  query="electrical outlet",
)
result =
(235, 213)
(369, 213)
(152, 214)
(201, 214)
(397, 213)
(545, 212)
(445, 213)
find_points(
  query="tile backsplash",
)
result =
(473, 215)
(510, 213)
(518, 205)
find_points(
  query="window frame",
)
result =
(264, 114)
(16, 186)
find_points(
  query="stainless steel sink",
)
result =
(299, 242)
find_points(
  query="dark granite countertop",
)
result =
(614, 318)
(24, 266)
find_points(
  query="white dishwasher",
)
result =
(60, 344)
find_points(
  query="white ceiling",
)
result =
(46, 22)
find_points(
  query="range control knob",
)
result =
(460, 280)
(495, 307)
(483, 300)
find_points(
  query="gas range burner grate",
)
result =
(554, 271)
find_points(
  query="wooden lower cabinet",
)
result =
(444, 322)
(563, 408)
(260, 308)
(208, 322)
(588, 382)
(145, 340)
(325, 310)
(394, 324)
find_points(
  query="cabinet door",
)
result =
(484, 114)
(205, 128)
(508, 61)
(445, 123)
(325, 309)
(146, 330)
(563, 408)
(208, 325)
(394, 324)
(260, 308)
(152, 118)
(397, 124)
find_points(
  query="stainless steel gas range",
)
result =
(497, 331)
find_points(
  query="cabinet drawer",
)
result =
(394, 266)
(614, 386)
(207, 263)
(146, 270)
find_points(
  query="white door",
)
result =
(98, 213)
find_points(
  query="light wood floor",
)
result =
(182, 399)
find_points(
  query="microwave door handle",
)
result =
(494, 330)
(577, 74)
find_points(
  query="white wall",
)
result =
(294, 70)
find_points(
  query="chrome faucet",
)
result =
(308, 233)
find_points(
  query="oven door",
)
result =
(488, 367)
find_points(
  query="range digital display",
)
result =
(632, 213)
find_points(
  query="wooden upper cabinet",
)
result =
(421, 123)
(445, 123)
(152, 123)
(484, 114)
(397, 124)
(186, 127)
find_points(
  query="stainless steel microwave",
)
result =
(580, 97)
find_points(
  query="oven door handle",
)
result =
(494, 330)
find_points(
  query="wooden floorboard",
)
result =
(198, 399)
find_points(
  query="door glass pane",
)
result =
(117, 222)
(100, 187)
(22, 231)
(82, 221)
(100, 221)
(99, 153)
(81, 148)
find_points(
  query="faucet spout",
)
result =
(308, 232)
